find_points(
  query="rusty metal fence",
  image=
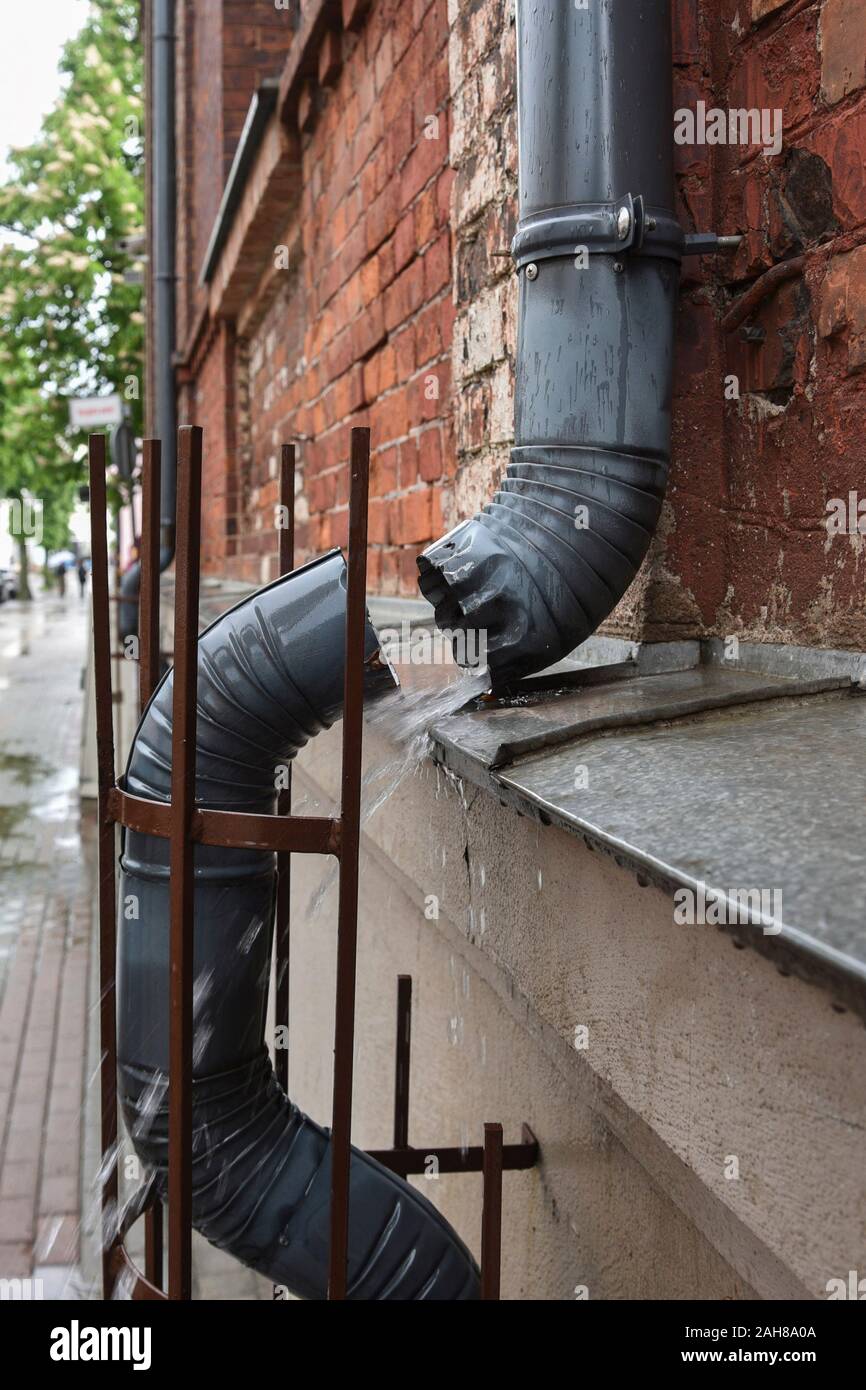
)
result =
(185, 825)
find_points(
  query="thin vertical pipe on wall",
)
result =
(148, 676)
(106, 888)
(163, 194)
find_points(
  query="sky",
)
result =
(32, 35)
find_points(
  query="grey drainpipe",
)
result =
(163, 196)
(598, 251)
(165, 270)
(270, 677)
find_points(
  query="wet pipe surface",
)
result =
(182, 823)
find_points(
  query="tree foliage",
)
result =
(72, 324)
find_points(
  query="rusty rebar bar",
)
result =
(106, 891)
(148, 610)
(282, 923)
(491, 1214)
(753, 297)
(183, 762)
(350, 819)
(402, 1061)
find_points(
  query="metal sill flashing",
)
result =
(714, 780)
(607, 698)
(261, 108)
(771, 799)
(696, 773)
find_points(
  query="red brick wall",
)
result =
(268, 367)
(255, 39)
(358, 329)
(200, 169)
(397, 287)
(225, 50)
(214, 407)
(744, 547)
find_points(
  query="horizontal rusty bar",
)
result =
(415, 1162)
(292, 834)
(147, 817)
(230, 829)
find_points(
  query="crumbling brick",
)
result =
(843, 48)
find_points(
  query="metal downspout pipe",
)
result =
(597, 250)
(163, 199)
(270, 677)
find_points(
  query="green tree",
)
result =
(73, 319)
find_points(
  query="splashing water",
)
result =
(203, 1035)
(124, 1287)
(107, 1166)
(202, 990)
(406, 718)
(246, 942)
(150, 1102)
(404, 714)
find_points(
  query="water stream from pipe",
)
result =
(405, 718)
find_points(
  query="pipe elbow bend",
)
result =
(270, 676)
(598, 249)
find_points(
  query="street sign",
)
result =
(92, 412)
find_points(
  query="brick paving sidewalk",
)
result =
(46, 892)
(49, 1036)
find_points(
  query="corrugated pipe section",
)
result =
(597, 250)
(270, 677)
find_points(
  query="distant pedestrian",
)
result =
(82, 578)
(61, 580)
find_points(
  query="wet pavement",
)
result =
(49, 1026)
(46, 892)
(49, 1043)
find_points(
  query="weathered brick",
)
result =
(842, 306)
(780, 74)
(430, 454)
(685, 31)
(405, 244)
(399, 274)
(383, 472)
(437, 266)
(330, 58)
(762, 8)
(408, 451)
(378, 522)
(414, 518)
(354, 13)
(843, 48)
